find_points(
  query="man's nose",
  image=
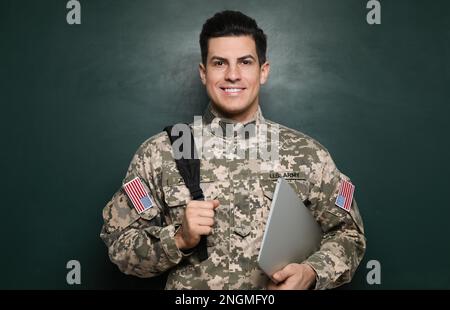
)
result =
(232, 74)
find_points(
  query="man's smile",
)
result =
(232, 91)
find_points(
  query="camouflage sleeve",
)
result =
(138, 243)
(343, 243)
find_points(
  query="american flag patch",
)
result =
(345, 196)
(138, 195)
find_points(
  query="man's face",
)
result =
(232, 76)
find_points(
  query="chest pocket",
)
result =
(300, 185)
(177, 195)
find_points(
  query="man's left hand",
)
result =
(293, 277)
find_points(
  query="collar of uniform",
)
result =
(212, 120)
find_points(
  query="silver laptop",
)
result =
(292, 234)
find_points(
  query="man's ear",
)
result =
(265, 70)
(202, 71)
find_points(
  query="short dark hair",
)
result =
(233, 23)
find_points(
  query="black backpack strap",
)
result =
(189, 169)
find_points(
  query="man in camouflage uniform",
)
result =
(238, 183)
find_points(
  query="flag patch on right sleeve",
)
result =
(345, 195)
(138, 195)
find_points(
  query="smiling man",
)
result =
(232, 74)
(151, 225)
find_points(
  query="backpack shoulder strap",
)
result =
(189, 169)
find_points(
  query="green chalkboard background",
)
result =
(77, 100)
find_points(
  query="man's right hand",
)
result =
(198, 220)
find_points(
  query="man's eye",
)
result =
(218, 63)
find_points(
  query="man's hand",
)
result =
(198, 220)
(293, 277)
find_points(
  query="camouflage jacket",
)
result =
(143, 244)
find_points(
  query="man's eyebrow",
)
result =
(247, 56)
(218, 58)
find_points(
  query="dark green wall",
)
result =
(76, 102)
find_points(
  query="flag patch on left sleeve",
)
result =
(345, 195)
